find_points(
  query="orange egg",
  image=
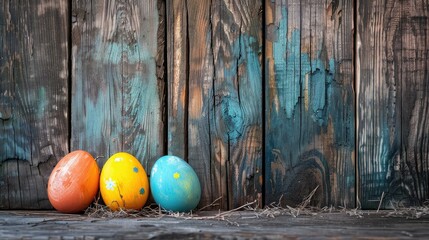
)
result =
(73, 184)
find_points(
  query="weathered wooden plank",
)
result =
(118, 78)
(33, 98)
(335, 225)
(237, 104)
(178, 77)
(199, 99)
(216, 96)
(309, 102)
(392, 76)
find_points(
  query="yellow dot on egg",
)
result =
(176, 175)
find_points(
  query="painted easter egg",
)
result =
(73, 183)
(123, 182)
(174, 184)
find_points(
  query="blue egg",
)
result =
(174, 184)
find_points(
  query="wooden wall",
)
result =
(309, 105)
(267, 100)
(34, 98)
(392, 75)
(215, 95)
(117, 78)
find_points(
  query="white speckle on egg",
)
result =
(171, 160)
(154, 169)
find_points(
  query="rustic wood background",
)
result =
(310, 139)
(392, 77)
(265, 99)
(34, 98)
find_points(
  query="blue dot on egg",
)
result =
(141, 191)
(135, 169)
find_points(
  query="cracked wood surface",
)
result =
(118, 79)
(241, 225)
(392, 64)
(215, 95)
(189, 78)
(34, 104)
(309, 108)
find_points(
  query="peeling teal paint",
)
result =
(251, 80)
(244, 111)
(321, 77)
(116, 103)
(232, 118)
(42, 101)
(142, 102)
(240, 108)
(332, 67)
(305, 102)
(105, 52)
(287, 54)
(292, 67)
(94, 106)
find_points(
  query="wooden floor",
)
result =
(241, 225)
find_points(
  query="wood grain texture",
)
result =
(309, 102)
(392, 72)
(216, 96)
(118, 78)
(178, 77)
(33, 99)
(335, 225)
(207, 106)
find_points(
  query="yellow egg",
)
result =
(123, 182)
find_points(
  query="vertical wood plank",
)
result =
(216, 96)
(178, 77)
(237, 104)
(309, 102)
(118, 78)
(392, 76)
(200, 102)
(33, 99)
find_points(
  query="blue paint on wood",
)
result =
(106, 52)
(95, 100)
(332, 67)
(304, 104)
(292, 67)
(287, 53)
(238, 92)
(318, 93)
(250, 80)
(232, 119)
(141, 103)
(239, 108)
(320, 78)
(249, 74)
(116, 104)
(42, 103)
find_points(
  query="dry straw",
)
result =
(251, 210)
(398, 210)
(97, 210)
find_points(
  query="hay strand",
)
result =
(381, 201)
(251, 209)
(413, 212)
